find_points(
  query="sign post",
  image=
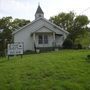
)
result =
(15, 49)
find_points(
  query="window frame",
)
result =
(40, 39)
(43, 39)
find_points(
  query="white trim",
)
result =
(43, 39)
(42, 27)
(17, 30)
(56, 26)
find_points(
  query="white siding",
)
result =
(59, 40)
(25, 34)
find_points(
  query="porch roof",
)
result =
(50, 30)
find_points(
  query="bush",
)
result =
(79, 46)
(88, 56)
(2, 53)
(29, 52)
(68, 44)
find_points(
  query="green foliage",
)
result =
(62, 70)
(88, 56)
(64, 20)
(9, 25)
(84, 40)
(79, 27)
(68, 44)
(79, 46)
(75, 25)
(5, 22)
(17, 23)
(82, 20)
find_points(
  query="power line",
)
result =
(85, 10)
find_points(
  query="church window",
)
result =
(43, 39)
(40, 38)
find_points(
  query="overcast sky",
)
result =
(25, 9)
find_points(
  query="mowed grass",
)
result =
(61, 70)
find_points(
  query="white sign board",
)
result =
(15, 48)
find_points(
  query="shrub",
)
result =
(2, 53)
(29, 52)
(68, 44)
(88, 56)
(79, 46)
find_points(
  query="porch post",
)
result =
(53, 36)
(34, 39)
(54, 44)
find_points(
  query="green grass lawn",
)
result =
(62, 70)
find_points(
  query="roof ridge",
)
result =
(37, 20)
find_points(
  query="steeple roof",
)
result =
(39, 10)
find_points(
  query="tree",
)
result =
(64, 20)
(6, 35)
(80, 27)
(17, 23)
(9, 25)
(75, 25)
(5, 22)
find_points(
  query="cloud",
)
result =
(15, 8)
(26, 8)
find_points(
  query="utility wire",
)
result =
(85, 10)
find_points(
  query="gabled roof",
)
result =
(61, 29)
(42, 27)
(39, 10)
(56, 26)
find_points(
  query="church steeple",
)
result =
(39, 13)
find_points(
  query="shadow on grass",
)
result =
(6, 59)
(88, 59)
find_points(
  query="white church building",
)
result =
(40, 33)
